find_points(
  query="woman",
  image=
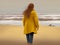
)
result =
(30, 22)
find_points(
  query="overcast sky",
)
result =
(18, 6)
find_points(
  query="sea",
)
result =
(3, 20)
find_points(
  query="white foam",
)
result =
(14, 22)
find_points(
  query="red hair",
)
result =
(27, 12)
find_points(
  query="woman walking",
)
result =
(30, 23)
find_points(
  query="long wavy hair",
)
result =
(27, 12)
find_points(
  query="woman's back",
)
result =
(30, 22)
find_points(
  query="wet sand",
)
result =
(14, 35)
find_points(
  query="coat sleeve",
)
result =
(35, 19)
(23, 21)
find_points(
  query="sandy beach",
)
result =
(14, 35)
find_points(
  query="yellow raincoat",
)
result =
(30, 24)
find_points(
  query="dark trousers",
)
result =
(29, 37)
